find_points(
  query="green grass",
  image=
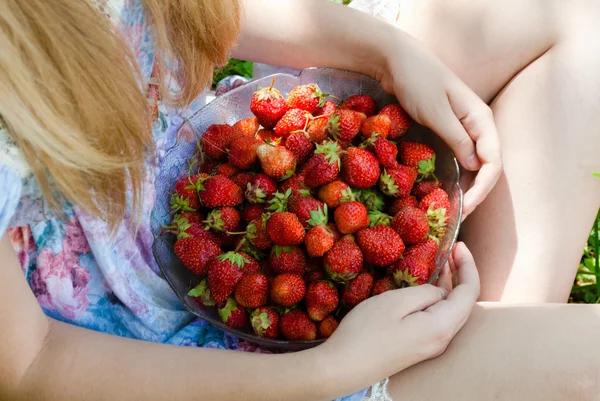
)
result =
(586, 288)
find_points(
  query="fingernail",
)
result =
(472, 162)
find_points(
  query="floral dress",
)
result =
(80, 275)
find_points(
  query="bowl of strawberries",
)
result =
(288, 201)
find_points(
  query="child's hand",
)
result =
(397, 329)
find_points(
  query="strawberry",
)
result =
(186, 229)
(190, 217)
(265, 135)
(317, 129)
(345, 124)
(224, 272)
(378, 218)
(295, 184)
(226, 170)
(306, 97)
(285, 229)
(261, 188)
(265, 322)
(195, 253)
(344, 261)
(292, 120)
(252, 212)
(208, 166)
(223, 239)
(380, 245)
(351, 217)
(232, 314)
(436, 199)
(401, 121)
(333, 193)
(296, 326)
(416, 265)
(216, 140)
(250, 264)
(379, 125)
(257, 234)
(319, 239)
(412, 225)
(424, 188)
(288, 259)
(242, 153)
(327, 326)
(247, 127)
(360, 168)
(287, 289)
(223, 219)
(419, 156)
(321, 299)
(315, 276)
(220, 191)
(302, 207)
(276, 161)
(185, 197)
(268, 106)
(397, 182)
(324, 166)
(386, 152)
(357, 290)
(400, 203)
(383, 284)
(202, 294)
(242, 179)
(371, 198)
(328, 108)
(252, 291)
(362, 103)
(333, 229)
(300, 145)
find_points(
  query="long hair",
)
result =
(74, 101)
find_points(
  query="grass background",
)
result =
(586, 286)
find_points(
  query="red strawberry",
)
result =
(224, 272)
(223, 219)
(345, 124)
(300, 145)
(288, 259)
(252, 291)
(401, 121)
(333, 193)
(287, 289)
(411, 223)
(302, 207)
(328, 108)
(257, 234)
(362, 103)
(252, 212)
(190, 217)
(344, 261)
(397, 182)
(232, 314)
(336, 234)
(208, 166)
(317, 129)
(224, 240)
(419, 156)
(360, 168)
(292, 120)
(195, 253)
(381, 245)
(315, 276)
(327, 326)
(226, 170)
(386, 153)
(220, 191)
(351, 217)
(216, 140)
(383, 284)
(186, 229)
(306, 97)
(265, 322)
(242, 179)
(276, 161)
(319, 239)
(357, 290)
(324, 166)
(400, 203)
(185, 197)
(202, 294)
(416, 265)
(261, 189)
(295, 184)
(321, 299)
(296, 326)
(436, 199)
(268, 106)
(250, 265)
(423, 188)
(247, 127)
(285, 229)
(379, 125)
(265, 135)
(242, 153)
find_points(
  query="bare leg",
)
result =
(512, 353)
(537, 60)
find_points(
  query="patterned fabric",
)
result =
(78, 272)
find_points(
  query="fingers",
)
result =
(415, 299)
(445, 279)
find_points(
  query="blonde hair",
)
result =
(73, 99)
